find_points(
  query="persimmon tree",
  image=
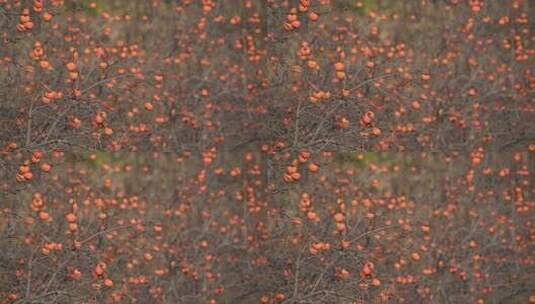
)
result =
(279, 151)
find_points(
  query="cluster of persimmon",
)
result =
(305, 51)
(319, 247)
(25, 18)
(209, 155)
(49, 248)
(25, 174)
(292, 171)
(38, 54)
(320, 96)
(51, 96)
(339, 68)
(100, 121)
(73, 273)
(367, 273)
(339, 219)
(71, 219)
(37, 203)
(367, 120)
(72, 69)
(477, 155)
(278, 297)
(100, 273)
(25, 21)
(305, 203)
(292, 19)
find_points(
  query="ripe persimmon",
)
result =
(71, 66)
(47, 17)
(313, 168)
(148, 106)
(313, 16)
(108, 283)
(70, 217)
